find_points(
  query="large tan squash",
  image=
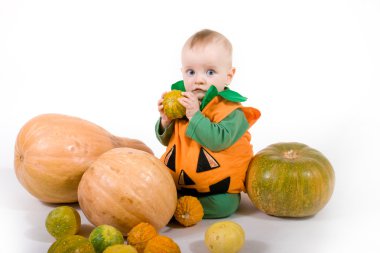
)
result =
(125, 187)
(53, 151)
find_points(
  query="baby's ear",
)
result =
(231, 74)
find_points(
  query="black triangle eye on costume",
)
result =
(184, 179)
(170, 159)
(206, 161)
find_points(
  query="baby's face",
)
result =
(206, 65)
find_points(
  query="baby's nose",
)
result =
(200, 79)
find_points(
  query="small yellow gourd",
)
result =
(140, 234)
(63, 221)
(189, 211)
(224, 236)
(172, 107)
(162, 244)
(120, 248)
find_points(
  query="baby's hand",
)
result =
(190, 102)
(165, 121)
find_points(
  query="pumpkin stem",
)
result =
(290, 154)
(185, 215)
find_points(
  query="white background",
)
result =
(311, 67)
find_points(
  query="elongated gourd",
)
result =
(53, 151)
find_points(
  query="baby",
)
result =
(209, 150)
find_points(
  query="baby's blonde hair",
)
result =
(206, 36)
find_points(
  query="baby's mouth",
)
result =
(198, 90)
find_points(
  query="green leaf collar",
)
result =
(212, 92)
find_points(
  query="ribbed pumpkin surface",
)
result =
(290, 179)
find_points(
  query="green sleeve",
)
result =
(163, 135)
(217, 136)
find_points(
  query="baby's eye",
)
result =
(190, 72)
(210, 72)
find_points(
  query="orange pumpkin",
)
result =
(124, 187)
(52, 151)
(140, 234)
(189, 211)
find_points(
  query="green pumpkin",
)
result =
(290, 180)
(62, 221)
(172, 107)
(104, 236)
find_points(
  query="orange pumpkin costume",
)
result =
(197, 170)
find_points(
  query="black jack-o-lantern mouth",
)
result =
(206, 162)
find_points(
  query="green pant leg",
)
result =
(220, 205)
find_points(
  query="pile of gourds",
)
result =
(119, 182)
